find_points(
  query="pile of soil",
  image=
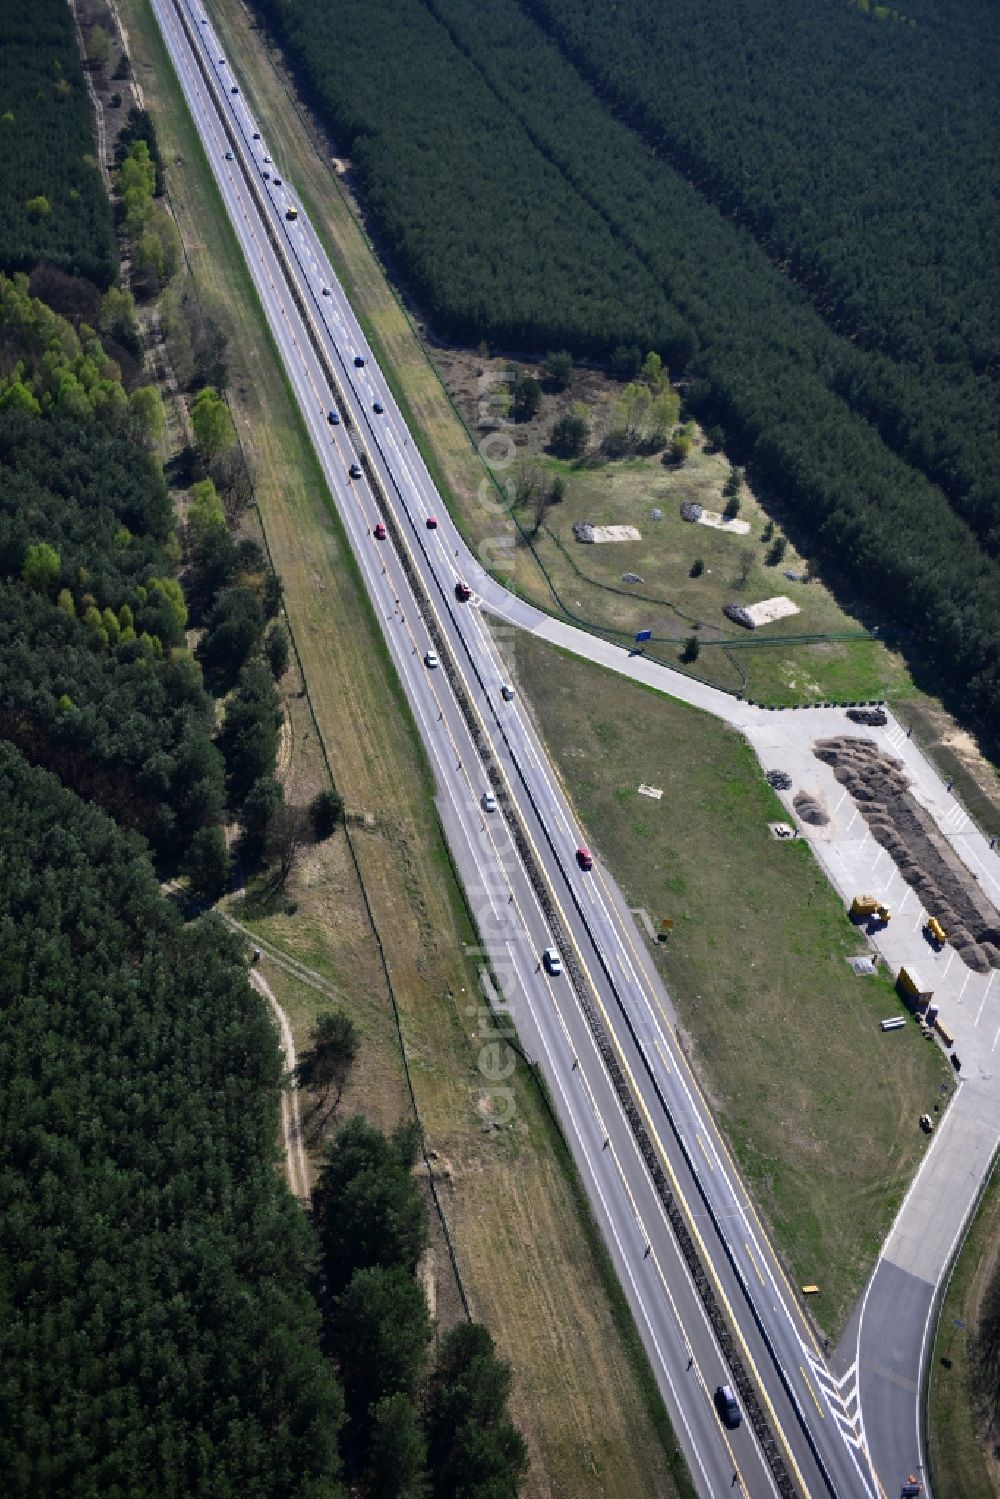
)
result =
(921, 853)
(779, 779)
(810, 810)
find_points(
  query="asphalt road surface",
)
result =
(605, 1024)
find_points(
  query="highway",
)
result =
(708, 1294)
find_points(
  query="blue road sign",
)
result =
(644, 635)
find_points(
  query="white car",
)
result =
(489, 802)
(431, 660)
(552, 961)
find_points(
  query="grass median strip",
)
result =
(593, 1424)
(821, 1109)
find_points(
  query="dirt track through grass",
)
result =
(530, 1265)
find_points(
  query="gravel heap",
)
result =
(875, 718)
(920, 851)
(779, 779)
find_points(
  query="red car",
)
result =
(463, 592)
(380, 532)
(432, 523)
(585, 858)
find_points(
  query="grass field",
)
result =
(587, 580)
(963, 1462)
(820, 1107)
(532, 1269)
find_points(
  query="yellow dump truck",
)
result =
(937, 931)
(291, 213)
(869, 908)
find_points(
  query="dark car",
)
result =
(432, 524)
(463, 592)
(256, 135)
(727, 1406)
(229, 155)
(359, 361)
(326, 291)
(234, 89)
(378, 408)
(333, 417)
(355, 470)
(277, 181)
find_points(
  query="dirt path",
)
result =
(291, 1120)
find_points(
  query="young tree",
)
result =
(527, 397)
(397, 1452)
(380, 1330)
(249, 738)
(366, 1207)
(571, 432)
(732, 507)
(733, 485)
(626, 361)
(521, 483)
(213, 426)
(232, 634)
(234, 479)
(697, 568)
(681, 445)
(204, 512)
(147, 421)
(746, 559)
(207, 863)
(663, 414)
(474, 1451)
(261, 805)
(558, 368)
(692, 648)
(334, 1039)
(653, 373)
(117, 319)
(776, 551)
(276, 650)
(325, 811)
(98, 48)
(287, 838)
(41, 567)
(545, 498)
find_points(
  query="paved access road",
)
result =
(648, 1144)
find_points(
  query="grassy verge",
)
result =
(820, 1107)
(529, 1266)
(962, 1464)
